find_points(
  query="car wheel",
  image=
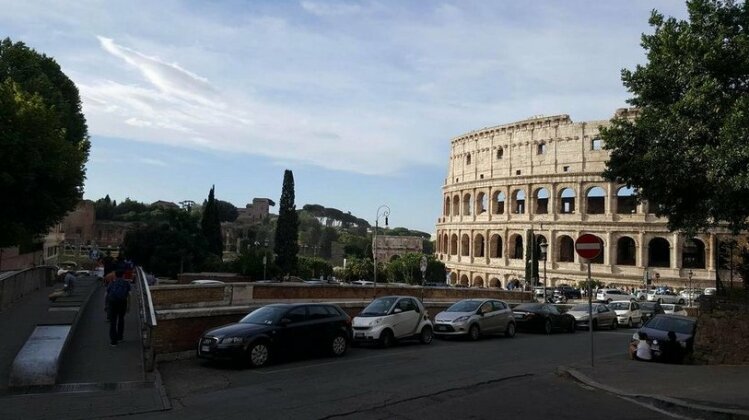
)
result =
(572, 327)
(642, 298)
(547, 327)
(595, 324)
(474, 333)
(614, 324)
(629, 322)
(386, 339)
(339, 345)
(258, 354)
(510, 331)
(426, 335)
(681, 301)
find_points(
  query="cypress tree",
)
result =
(211, 226)
(287, 228)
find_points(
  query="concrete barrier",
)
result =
(15, 285)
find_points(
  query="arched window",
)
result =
(453, 277)
(456, 205)
(517, 247)
(467, 204)
(542, 201)
(468, 159)
(478, 245)
(498, 202)
(500, 153)
(596, 201)
(447, 206)
(518, 201)
(566, 249)
(464, 280)
(626, 251)
(482, 203)
(693, 254)
(445, 244)
(626, 200)
(495, 282)
(478, 281)
(659, 254)
(567, 201)
(495, 247)
(454, 244)
(465, 245)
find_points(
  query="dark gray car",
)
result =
(474, 317)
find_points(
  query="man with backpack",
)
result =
(117, 293)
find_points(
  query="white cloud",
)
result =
(325, 9)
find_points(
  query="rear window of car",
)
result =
(679, 325)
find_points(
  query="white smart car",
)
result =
(392, 318)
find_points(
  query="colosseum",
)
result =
(543, 175)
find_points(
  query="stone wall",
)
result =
(722, 337)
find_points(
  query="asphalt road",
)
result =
(454, 379)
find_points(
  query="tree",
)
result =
(287, 228)
(43, 143)
(211, 226)
(227, 212)
(685, 150)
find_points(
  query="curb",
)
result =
(660, 401)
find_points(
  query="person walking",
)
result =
(117, 294)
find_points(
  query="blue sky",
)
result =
(359, 99)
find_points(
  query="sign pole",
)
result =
(590, 315)
(589, 247)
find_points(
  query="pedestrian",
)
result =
(643, 352)
(671, 351)
(108, 263)
(117, 294)
(69, 282)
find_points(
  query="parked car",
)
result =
(665, 296)
(602, 316)
(277, 329)
(642, 294)
(569, 292)
(709, 291)
(650, 309)
(206, 282)
(673, 309)
(542, 317)
(474, 317)
(627, 312)
(656, 331)
(392, 318)
(609, 295)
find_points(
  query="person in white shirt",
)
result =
(643, 348)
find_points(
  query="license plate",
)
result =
(359, 335)
(517, 316)
(440, 328)
(205, 349)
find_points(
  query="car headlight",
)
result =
(636, 336)
(460, 319)
(232, 340)
(582, 318)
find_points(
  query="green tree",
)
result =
(43, 143)
(313, 267)
(287, 228)
(686, 148)
(211, 226)
(227, 212)
(104, 208)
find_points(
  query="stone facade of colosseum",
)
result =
(543, 174)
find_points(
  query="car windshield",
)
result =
(464, 306)
(667, 307)
(647, 306)
(667, 323)
(379, 307)
(619, 305)
(530, 307)
(580, 307)
(267, 315)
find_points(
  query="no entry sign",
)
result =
(588, 246)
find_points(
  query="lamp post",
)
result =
(423, 268)
(544, 247)
(691, 291)
(382, 211)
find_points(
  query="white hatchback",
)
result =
(392, 318)
(627, 312)
(610, 295)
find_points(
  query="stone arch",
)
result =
(464, 280)
(595, 200)
(478, 281)
(518, 201)
(626, 251)
(516, 241)
(566, 248)
(542, 200)
(467, 204)
(495, 282)
(498, 202)
(659, 252)
(626, 200)
(456, 205)
(465, 245)
(453, 277)
(447, 206)
(482, 202)
(495, 246)
(566, 201)
(454, 244)
(478, 245)
(693, 253)
(468, 159)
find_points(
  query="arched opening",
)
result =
(468, 159)
(465, 245)
(464, 280)
(517, 247)
(567, 201)
(447, 206)
(456, 205)
(626, 251)
(453, 277)
(495, 247)
(445, 241)
(693, 254)
(518, 201)
(478, 245)
(467, 204)
(539, 240)
(478, 281)
(596, 201)
(566, 249)
(542, 201)
(495, 282)
(500, 153)
(482, 203)
(498, 202)
(626, 200)
(454, 244)
(659, 254)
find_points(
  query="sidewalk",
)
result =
(708, 391)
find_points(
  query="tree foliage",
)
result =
(686, 151)
(43, 143)
(287, 228)
(313, 267)
(227, 212)
(210, 225)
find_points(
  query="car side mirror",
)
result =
(284, 322)
(397, 310)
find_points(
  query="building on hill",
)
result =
(389, 247)
(543, 175)
(255, 212)
(165, 205)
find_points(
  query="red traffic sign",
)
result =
(588, 246)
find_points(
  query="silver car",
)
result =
(473, 317)
(602, 316)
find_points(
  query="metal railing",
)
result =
(147, 316)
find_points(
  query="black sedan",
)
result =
(663, 348)
(542, 317)
(276, 329)
(650, 309)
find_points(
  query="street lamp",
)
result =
(691, 290)
(544, 247)
(423, 268)
(385, 213)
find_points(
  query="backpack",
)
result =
(118, 290)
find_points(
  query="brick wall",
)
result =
(166, 296)
(722, 337)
